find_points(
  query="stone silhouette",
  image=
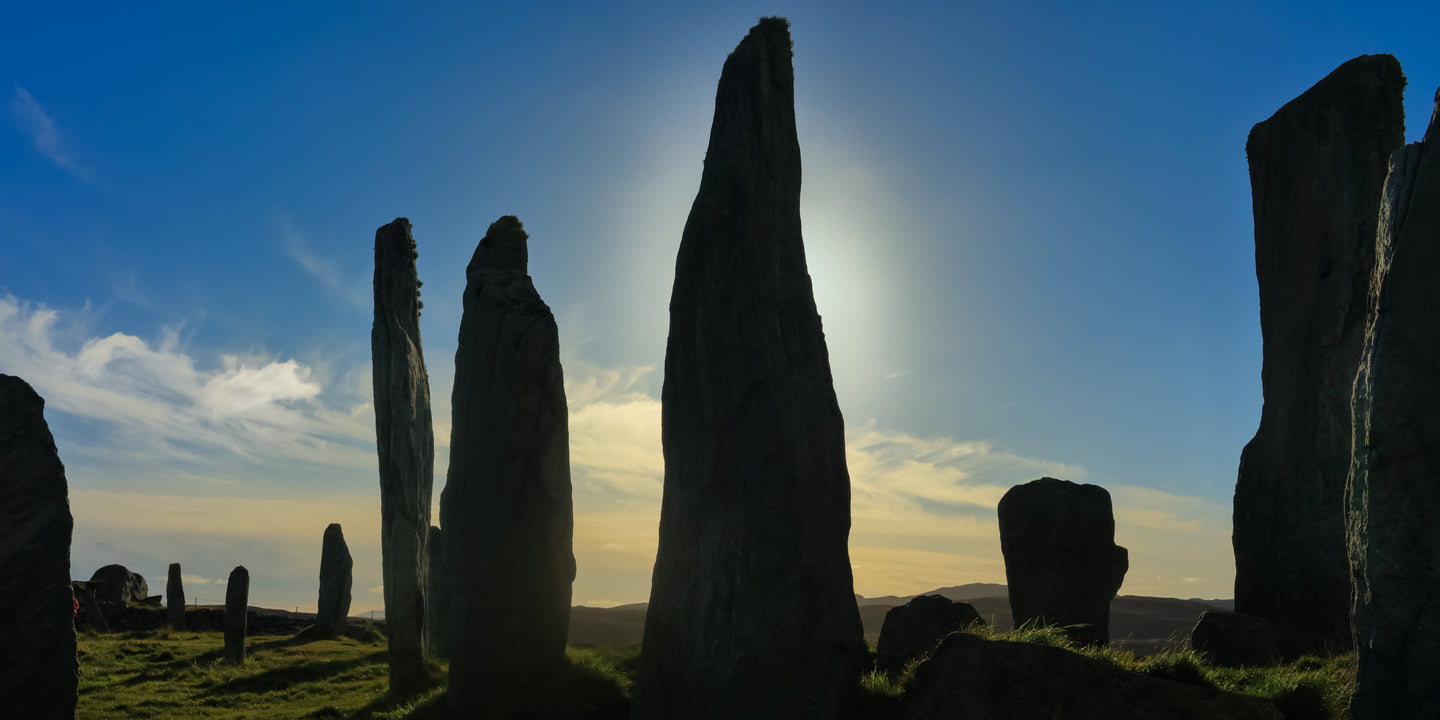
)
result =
(1316, 170)
(915, 628)
(1061, 561)
(506, 508)
(1233, 639)
(1393, 493)
(752, 608)
(237, 605)
(405, 443)
(437, 596)
(40, 676)
(89, 612)
(116, 585)
(335, 577)
(174, 599)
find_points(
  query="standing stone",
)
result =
(1061, 561)
(174, 599)
(506, 508)
(37, 653)
(1231, 639)
(1316, 169)
(335, 567)
(437, 596)
(752, 608)
(237, 605)
(1393, 494)
(406, 447)
(89, 608)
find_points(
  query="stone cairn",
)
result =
(40, 676)
(237, 605)
(506, 508)
(335, 578)
(174, 599)
(406, 449)
(1061, 560)
(752, 609)
(1316, 171)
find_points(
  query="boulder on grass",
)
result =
(915, 628)
(1235, 639)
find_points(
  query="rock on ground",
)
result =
(37, 654)
(1316, 170)
(1235, 640)
(752, 609)
(335, 579)
(116, 585)
(915, 628)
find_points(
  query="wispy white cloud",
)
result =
(298, 249)
(45, 135)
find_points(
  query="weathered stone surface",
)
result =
(970, 678)
(1316, 169)
(1235, 639)
(116, 585)
(506, 508)
(437, 596)
(1061, 561)
(237, 602)
(1393, 494)
(915, 628)
(174, 599)
(752, 608)
(406, 446)
(335, 578)
(40, 672)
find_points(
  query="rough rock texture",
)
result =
(1235, 639)
(969, 678)
(752, 608)
(116, 585)
(237, 601)
(1061, 561)
(506, 508)
(174, 599)
(437, 596)
(1393, 493)
(335, 569)
(37, 653)
(913, 629)
(1316, 168)
(406, 447)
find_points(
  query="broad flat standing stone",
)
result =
(406, 446)
(752, 608)
(174, 599)
(40, 676)
(506, 508)
(1316, 169)
(237, 605)
(437, 595)
(1394, 488)
(1061, 561)
(335, 578)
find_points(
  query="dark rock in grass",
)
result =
(1316, 171)
(116, 585)
(89, 615)
(174, 599)
(506, 508)
(38, 669)
(438, 590)
(1234, 639)
(970, 678)
(752, 608)
(1394, 487)
(915, 628)
(1085, 634)
(237, 599)
(1061, 561)
(335, 579)
(406, 447)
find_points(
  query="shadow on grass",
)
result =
(284, 677)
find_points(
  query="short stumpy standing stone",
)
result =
(1316, 169)
(406, 447)
(335, 578)
(1061, 560)
(506, 508)
(174, 599)
(1393, 495)
(752, 608)
(40, 672)
(237, 605)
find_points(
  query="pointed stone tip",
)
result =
(503, 248)
(773, 32)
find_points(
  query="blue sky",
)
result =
(1028, 226)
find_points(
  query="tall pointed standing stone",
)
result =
(1316, 168)
(335, 579)
(506, 508)
(40, 672)
(406, 447)
(752, 608)
(174, 599)
(1393, 494)
(237, 609)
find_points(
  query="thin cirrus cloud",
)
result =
(298, 248)
(45, 135)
